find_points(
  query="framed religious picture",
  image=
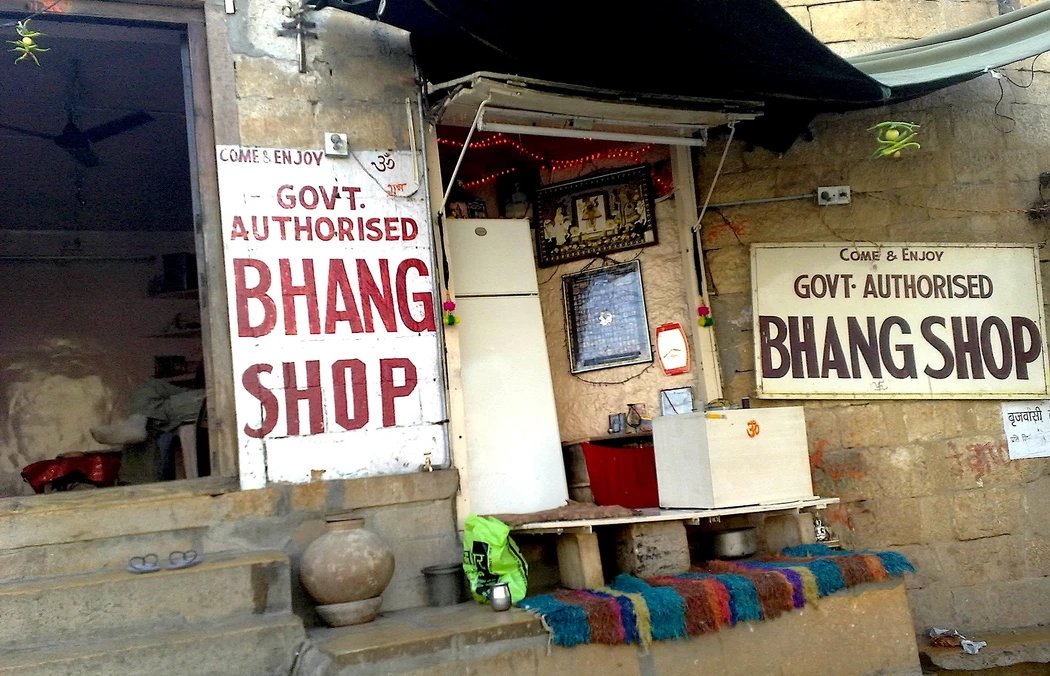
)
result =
(594, 215)
(605, 318)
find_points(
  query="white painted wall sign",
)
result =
(1027, 428)
(332, 316)
(906, 320)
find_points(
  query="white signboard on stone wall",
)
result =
(908, 320)
(1027, 428)
(332, 315)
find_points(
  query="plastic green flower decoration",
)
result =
(893, 137)
(26, 44)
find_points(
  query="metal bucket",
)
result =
(446, 584)
(736, 543)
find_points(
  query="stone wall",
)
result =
(359, 73)
(930, 478)
(85, 531)
(585, 401)
(413, 513)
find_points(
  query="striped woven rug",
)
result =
(710, 596)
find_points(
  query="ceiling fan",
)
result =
(77, 142)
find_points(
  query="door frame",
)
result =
(202, 69)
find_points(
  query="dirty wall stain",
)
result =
(836, 471)
(979, 458)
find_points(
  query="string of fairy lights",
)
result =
(499, 139)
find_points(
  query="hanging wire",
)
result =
(714, 180)
(1001, 75)
(604, 383)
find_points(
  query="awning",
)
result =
(504, 103)
(714, 55)
(665, 51)
(924, 65)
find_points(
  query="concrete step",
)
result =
(85, 556)
(263, 645)
(78, 516)
(221, 587)
(404, 641)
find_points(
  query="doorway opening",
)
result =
(99, 305)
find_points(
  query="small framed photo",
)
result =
(676, 400)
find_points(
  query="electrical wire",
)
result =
(1001, 75)
(48, 8)
(604, 383)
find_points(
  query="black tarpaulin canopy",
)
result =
(712, 55)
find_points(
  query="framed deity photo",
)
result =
(605, 318)
(594, 215)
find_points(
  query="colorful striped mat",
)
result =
(710, 596)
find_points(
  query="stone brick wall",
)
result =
(929, 478)
(359, 73)
(413, 513)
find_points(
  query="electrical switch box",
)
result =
(828, 195)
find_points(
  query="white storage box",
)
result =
(732, 458)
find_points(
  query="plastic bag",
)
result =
(490, 556)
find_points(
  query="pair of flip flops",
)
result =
(149, 563)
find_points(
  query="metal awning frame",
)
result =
(504, 103)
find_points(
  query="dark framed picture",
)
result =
(605, 318)
(595, 215)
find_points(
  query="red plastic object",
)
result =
(622, 475)
(100, 469)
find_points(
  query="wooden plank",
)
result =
(580, 561)
(225, 116)
(455, 432)
(653, 514)
(705, 351)
(215, 329)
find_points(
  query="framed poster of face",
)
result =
(595, 215)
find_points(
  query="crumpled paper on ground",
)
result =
(950, 638)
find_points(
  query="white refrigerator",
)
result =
(514, 456)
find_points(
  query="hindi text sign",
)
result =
(1027, 428)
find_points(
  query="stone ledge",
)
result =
(394, 489)
(417, 631)
(76, 501)
(1005, 648)
(863, 630)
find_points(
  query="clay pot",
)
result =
(346, 570)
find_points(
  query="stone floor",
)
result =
(1013, 652)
